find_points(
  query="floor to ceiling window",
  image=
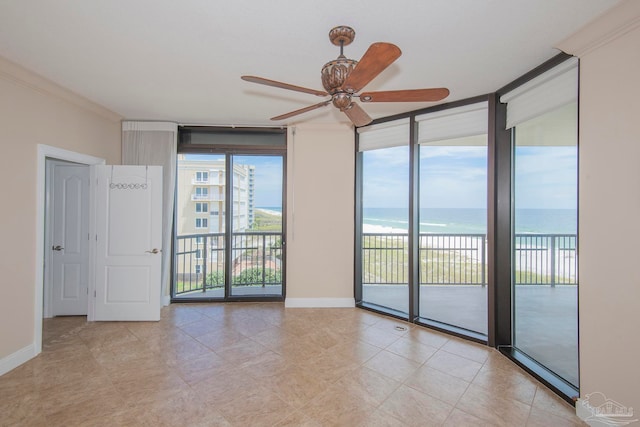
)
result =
(466, 220)
(453, 217)
(385, 193)
(544, 121)
(229, 228)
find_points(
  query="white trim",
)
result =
(129, 125)
(166, 300)
(613, 24)
(44, 152)
(27, 78)
(319, 303)
(16, 359)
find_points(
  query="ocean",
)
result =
(468, 221)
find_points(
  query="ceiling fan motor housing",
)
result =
(334, 73)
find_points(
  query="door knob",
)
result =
(153, 251)
(57, 248)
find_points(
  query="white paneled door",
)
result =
(69, 240)
(128, 224)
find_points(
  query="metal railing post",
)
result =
(483, 257)
(553, 260)
(204, 253)
(264, 258)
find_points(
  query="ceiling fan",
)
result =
(343, 78)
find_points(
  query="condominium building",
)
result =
(201, 190)
(200, 210)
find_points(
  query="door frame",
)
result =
(45, 152)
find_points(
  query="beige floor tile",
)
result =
(486, 405)
(202, 368)
(507, 383)
(261, 364)
(551, 403)
(415, 408)
(201, 327)
(259, 407)
(221, 338)
(241, 351)
(296, 386)
(393, 366)
(458, 418)
(540, 418)
(438, 384)
(368, 385)
(298, 419)
(412, 350)
(381, 419)
(337, 407)
(428, 337)
(377, 337)
(328, 366)
(476, 352)
(358, 351)
(454, 365)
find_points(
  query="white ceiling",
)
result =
(182, 60)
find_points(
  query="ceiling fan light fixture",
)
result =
(341, 101)
(344, 78)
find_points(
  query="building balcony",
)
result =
(207, 197)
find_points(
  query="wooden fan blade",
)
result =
(378, 57)
(262, 81)
(300, 111)
(414, 95)
(357, 115)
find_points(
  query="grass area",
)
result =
(264, 221)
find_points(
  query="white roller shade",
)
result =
(453, 123)
(549, 91)
(384, 135)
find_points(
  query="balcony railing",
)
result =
(461, 259)
(200, 261)
(207, 197)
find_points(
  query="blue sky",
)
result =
(456, 177)
(450, 177)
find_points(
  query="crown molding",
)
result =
(617, 21)
(18, 74)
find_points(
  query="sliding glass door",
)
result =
(229, 225)
(256, 238)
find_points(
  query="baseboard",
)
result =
(319, 302)
(16, 359)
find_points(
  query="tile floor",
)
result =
(258, 364)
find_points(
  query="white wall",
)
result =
(35, 111)
(320, 222)
(609, 215)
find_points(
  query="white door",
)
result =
(69, 241)
(128, 242)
